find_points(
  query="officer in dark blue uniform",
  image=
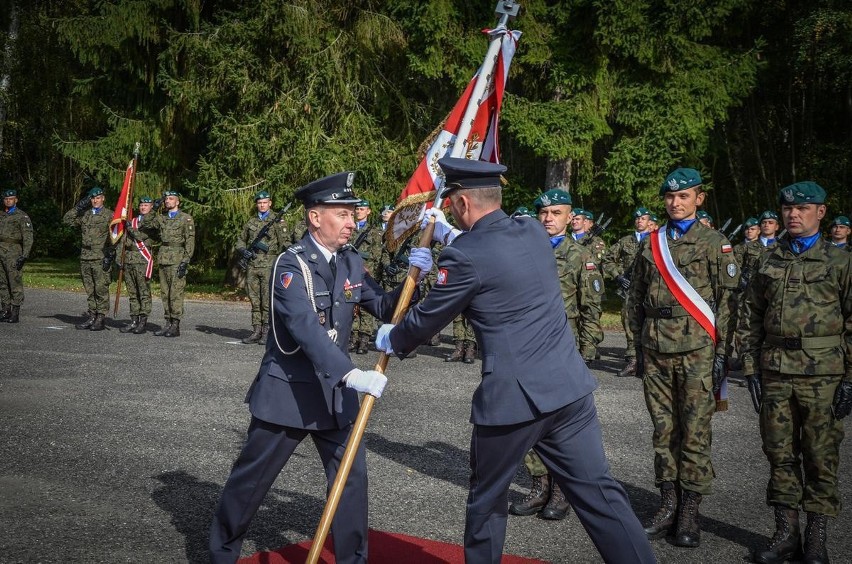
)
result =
(500, 273)
(307, 384)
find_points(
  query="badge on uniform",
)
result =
(732, 270)
(286, 278)
(590, 266)
(442, 277)
(321, 316)
(596, 284)
(726, 248)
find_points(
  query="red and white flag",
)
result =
(482, 143)
(123, 209)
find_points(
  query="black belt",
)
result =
(802, 343)
(666, 312)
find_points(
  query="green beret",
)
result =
(802, 193)
(841, 220)
(387, 207)
(751, 222)
(363, 204)
(9, 193)
(639, 212)
(585, 213)
(680, 179)
(701, 214)
(522, 210)
(654, 218)
(96, 191)
(769, 214)
(145, 200)
(174, 193)
(262, 195)
(553, 197)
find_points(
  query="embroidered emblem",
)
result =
(673, 184)
(726, 248)
(732, 270)
(590, 266)
(286, 278)
(788, 195)
(442, 277)
(596, 284)
(545, 201)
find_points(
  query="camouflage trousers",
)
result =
(96, 283)
(171, 291)
(257, 288)
(534, 464)
(801, 440)
(462, 330)
(138, 288)
(11, 281)
(679, 397)
(625, 323)
(363, 322)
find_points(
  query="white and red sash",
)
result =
(679, 286)
(145, 251)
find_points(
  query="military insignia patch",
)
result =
(726, 248)
(442, 277)
(596, 284)
(591, 266)
(732, 270)
(788, 195)
(286, 278)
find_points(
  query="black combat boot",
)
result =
(7, 313)
(435, 341)
(353, 341)
(98, 322)
(16, 313)
(362, 343)
(457, 355)
(174, 329)
(815, 538)
(688, 533)
(557, 507)
(469, 352)
(661, 524)
(628, 370)
(140, 326)
(785, 543)
(264, 334)
(167, 324)
(134, 323)
(87, 323)
(536, 499)
(255, 335)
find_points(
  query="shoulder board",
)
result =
(347, 247)
(296, 249)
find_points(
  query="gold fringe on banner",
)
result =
(405, 219)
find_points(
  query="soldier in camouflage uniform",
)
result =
(840, 229)
(260, 260)
(596, 246)
(617, 265)
(797, 355)
(768, 228)
(16, 241)
(746, 254)
(138, 267)
(581, 284)
(368, 241)
(176, 232)
(653, 222)
(751, 230)
(96, 254)
(682, 363)
(704, 218)
(464, 340)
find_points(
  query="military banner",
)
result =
(124, 206)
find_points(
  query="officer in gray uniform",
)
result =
(535, 390)
(307, 385)
(97, 254)
(16, 241)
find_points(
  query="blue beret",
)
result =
(332, 189)
(9, 193)
(769, 214)
(145, 200)
(802, 193)
(262, 195)
(680, 179)
(639, 212)
(751, 222)
(469, 173)
(841, 220)
(174, 193)
(553, 197)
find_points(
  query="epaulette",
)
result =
(296, 249)
(347, 247)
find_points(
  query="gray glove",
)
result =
(181, 269)
(623, 281)
(755, 390)
(842, 400)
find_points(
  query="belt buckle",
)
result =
(665, 312)
(793, 343)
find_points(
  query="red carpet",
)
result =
(385, 548)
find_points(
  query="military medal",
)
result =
(347, 293)
(321, 315)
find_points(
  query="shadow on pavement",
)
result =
(224, 331)
(435, 459)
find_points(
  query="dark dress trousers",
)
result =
(298, 392)
(535, 388)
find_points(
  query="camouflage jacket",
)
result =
(799, 314)
(596, 246)
(96, 242)
(276, 240)
(705, 258)
(620, 256)
(132, 254)
(16, 234)
(176, 236)
(369, 246)
(582, 287)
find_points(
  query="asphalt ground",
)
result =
(115, 448)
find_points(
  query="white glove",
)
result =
(367, 381)
(383, 343)
(421, 257)
(444, 232)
